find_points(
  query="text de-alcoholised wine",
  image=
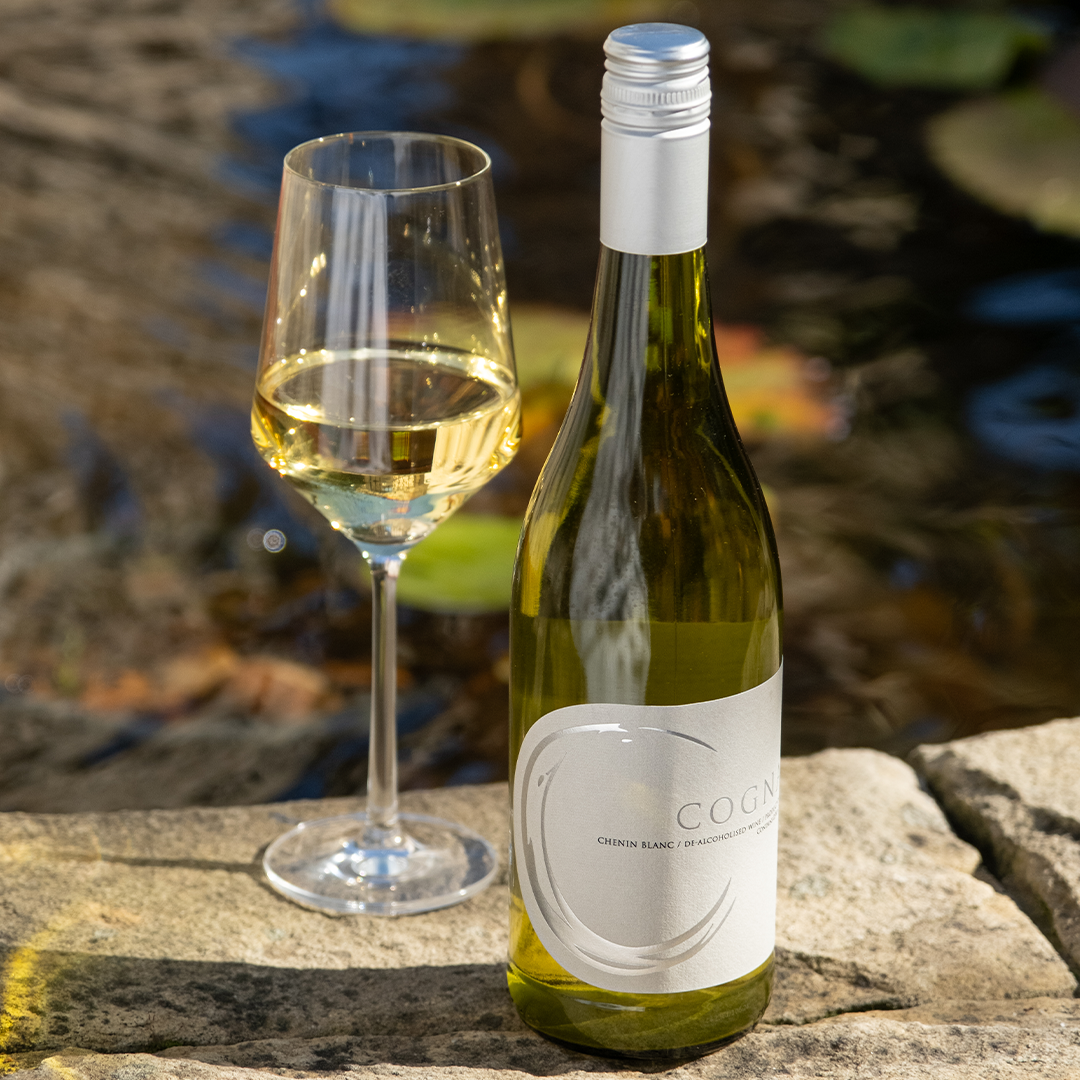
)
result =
(646, 629)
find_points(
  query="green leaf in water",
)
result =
(1019, 152)
(479, 20)
(918, 46)
(465, 566)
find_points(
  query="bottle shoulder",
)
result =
(651, 509)
(661, 456)
(647, 505)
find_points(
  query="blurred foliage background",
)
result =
(894, 211)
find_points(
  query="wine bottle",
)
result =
(645, 641)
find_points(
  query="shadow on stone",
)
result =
(117, 1004)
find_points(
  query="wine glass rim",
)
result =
(357, 136)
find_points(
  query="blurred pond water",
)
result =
(178, 628)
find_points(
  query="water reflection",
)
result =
(928, 546)
(249, 496)
(112, 506)
(1032, 417)
(1029, 299)
(332, 81)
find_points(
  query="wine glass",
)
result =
(386, 395)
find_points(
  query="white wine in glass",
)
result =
(386, 395)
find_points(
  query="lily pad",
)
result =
(1019, 152)
(465, 566)
(477, 20)
(919, 46)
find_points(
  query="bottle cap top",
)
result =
(657, 78)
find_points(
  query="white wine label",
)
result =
(645, 839)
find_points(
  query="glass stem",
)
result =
(382, 795)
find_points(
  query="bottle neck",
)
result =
(654, 189)
(652, 313)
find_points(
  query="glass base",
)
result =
(344, 865)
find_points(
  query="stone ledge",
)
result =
(1051, 1014)
(1016, 795)
(133, 931)
(880, 905)
(880, 1048)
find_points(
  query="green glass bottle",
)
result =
(646, 630)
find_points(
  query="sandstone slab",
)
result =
(879, 1048)
(879, 904)
(1016, 795)
(1048, 1014)
(138, 930)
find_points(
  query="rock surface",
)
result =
(883, 1049)
(1016, 795)
(879, 905)
(136, 931)
(1050, 1014)
(140, 929)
